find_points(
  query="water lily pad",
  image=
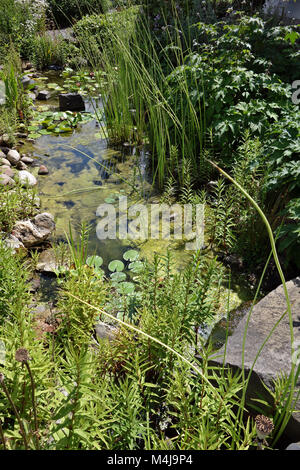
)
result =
(109, 200)
(116, 265)
(118, 276)
(34, 136)
(94, 261)
(136, 267)
(131, 255)
(126, 288)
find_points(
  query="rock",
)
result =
(7, 171)
(27, 160)
(47, 262)
(71, 102)
(14, 244)
(275, 357)
(36, 231)
(2, 155)
(4, 139)
(4, 161)
(105, 331)
(26, 179)
(293, 446)
(13, 157)
(43, 95)
(27, 81)
(4, 150)
(43, 170)
(32, 96)
(5, 180)
(21, 165)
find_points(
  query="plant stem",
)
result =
(33, 405)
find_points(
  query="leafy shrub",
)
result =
(65, 12)
(103, 28)
(19, 23)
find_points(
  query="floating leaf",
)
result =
(118, 276)
(126, 288)
(94, 261)
(109, 200)
(131, 255)
(116, 265)
(34, 136)
(136, 266)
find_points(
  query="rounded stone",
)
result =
(6, 180)
(43, 170)
(13, 157)
(26, 178)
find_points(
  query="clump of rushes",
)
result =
(22, 355)
(22, 429)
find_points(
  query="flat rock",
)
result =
(48, 263)
(7, 170)
(14, 244)
(276, 357)
(27, 160)
(26, 179)
(4, 161)
(105, 331)
(35, 231)
(71, 102)
(5, 180)
(13, 157)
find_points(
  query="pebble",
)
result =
(43, 170)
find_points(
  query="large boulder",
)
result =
(275, 358)
(36, 231)
(71, 102)
(26, 179)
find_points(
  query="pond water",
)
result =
(85, 172)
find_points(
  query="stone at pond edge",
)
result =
(43, 170)
(275, 357)
(26, 179)
(14, 244)
(6, 180)
(47, 262)
(35, 231)
(6, 170)
(13, 157)
(71, 102)
(27, 160)
(21, 165)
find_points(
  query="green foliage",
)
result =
(48, 51)
(15, 204)
(289, 233)
(65, 12)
